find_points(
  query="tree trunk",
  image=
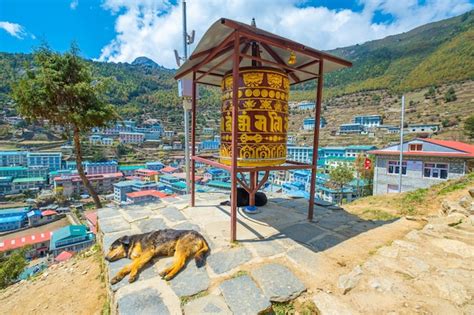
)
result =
(80, 168)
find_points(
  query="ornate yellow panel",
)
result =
(263, 117)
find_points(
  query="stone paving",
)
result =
(276, 248)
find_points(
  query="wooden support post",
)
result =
(235, 113)
(317, 121)
(193, 141)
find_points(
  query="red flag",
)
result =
(367, 163)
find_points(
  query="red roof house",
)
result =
(425, 162)
(65, 255)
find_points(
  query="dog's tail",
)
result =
(202, 253)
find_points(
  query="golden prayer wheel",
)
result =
(262, 119)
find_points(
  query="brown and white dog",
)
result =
(142, 248)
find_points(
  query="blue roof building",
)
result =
(13, 218)
(52, 160)
(308, 123)
(13, 158)
(306, 106)
(155, 166)
(351, 128)
(71, 238)
(368, 120)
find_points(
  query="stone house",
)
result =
(426, 162)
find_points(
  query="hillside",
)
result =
(440, 53)
(431, 54)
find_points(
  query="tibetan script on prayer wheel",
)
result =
(262, 120)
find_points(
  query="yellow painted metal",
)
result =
(262, 119)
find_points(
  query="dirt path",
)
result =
(74, 287)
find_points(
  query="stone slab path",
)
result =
(334, 261)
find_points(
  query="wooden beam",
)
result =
(319, 97)
(279, 65)
(277, 41)
(278, 59)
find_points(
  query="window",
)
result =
(435, 170)
(394, 167)
(415, 147)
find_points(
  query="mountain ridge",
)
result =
(144, 89)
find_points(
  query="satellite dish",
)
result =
(177, 57)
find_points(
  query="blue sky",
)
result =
(121, 30)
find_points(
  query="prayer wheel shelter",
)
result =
(254, 69)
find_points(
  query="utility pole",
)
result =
(186, 104)
(400, 167)
(184, 91)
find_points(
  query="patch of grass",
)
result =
(457, 185)
(105, 307)
(416, 196)
(377, 214)
(307, 308)
(283, 308)
(186, 299)
(239, 273)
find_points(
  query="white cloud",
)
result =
(73, 5)
(153, 28)
(13, 29)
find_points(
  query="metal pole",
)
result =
(185, 107)
(401, 146)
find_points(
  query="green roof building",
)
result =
(71, 238)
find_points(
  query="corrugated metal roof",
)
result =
(306, 57)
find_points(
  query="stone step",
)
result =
(243, 296)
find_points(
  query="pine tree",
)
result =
(60, 88)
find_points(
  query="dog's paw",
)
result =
(162, 274)
(132, 279)
(115, 280)
(200, 263)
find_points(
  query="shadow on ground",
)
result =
(329, 227)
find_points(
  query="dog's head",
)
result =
(118, 249)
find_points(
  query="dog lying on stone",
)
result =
(243, 198)
(142, 248)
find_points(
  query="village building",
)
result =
(38, 244)
(145, 196)
(131, 137)
(13, 218)
(71, 238)
(308, 123)
(351, 128)
(147, 175)
(368, 120)
(72, 185)
(101, 167)
(306, 106)
(425, 162)
(422, 128)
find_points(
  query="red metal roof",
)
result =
(48, 212)
(168, 169)
(468, 148)
(150, 192)
(65, 255)
(18, 242)
(147, 172)
(465, 150)
(91, 218)
(183, 176)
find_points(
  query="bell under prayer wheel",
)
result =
(262, 120)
